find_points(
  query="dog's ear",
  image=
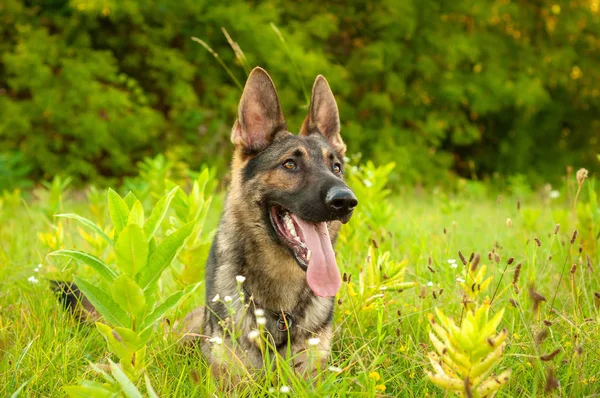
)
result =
(323, 116)
(259, 113)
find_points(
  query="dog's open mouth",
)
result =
(311, 245)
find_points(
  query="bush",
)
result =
(89, 88)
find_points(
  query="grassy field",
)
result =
(381, 341)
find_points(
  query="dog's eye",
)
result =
(290, 164)
(337, 168)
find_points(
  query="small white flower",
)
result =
(33, 279)
(383, 288)
(216, 340)
(367, 183)
(430, 283)
(39, 266)
(240, 278)
(451, 261)
(453, 265)
(216, 298)
(227, 299)
(284, 389)
(261, 320)
(314, 341)
(335, 369)
(253, 335)
(36, 270)
(554, 194)
(259, 312)
(460, 280)
(271, 390)
(346, 159)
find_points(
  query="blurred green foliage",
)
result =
(88, 88)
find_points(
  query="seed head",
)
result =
(537, 241)
(589, 263)
(550, 356)
(517, 273)
(556, 228)
(375, 244)
(462, 258)
(574, 237)
(508, 222)
(552, 382)
(581, 175)
(573, 268)
(475, 262)
(471, 257)
(518, 204)
(510, 261)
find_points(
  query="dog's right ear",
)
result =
(259, 114)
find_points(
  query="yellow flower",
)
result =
(412, 375)
(351, 291)
(380, 387)
(375, 376)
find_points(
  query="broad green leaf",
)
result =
(129, 339)
(128, 295)
(103, 303)
(149, 389)
(89, 391)
(164, 254)
(90, 260)
(118, 211)
(136, 215)
(131, 250)
(127, 386)
(130, 199)
(158, 213)
(88, 224)
(115, 342)
(167, 305)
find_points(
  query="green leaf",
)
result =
(115, 342)
(158, 213)
(131, 250)
(127, 386)
(167, 305)
(102, 301)
(136, 215)
(118, 211)
(95, 390)
(149, 389)
(90, 260)
(130, 199)
(128, 295)
(88, 224)
(164, 254)
(130, 339)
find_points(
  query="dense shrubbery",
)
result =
(90, 87)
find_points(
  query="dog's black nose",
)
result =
(341, 200)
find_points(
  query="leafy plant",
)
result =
(130, 303)
(466, 354)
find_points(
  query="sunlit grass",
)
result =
(381, 342)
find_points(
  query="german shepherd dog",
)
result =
(272, 260)
(280, 221)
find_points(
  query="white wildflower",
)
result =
(314, 341)
(554, 194)
(227, 299)
(33, 279)
(259, 312)
(453, 265)
(430, 283)
(451, 261)
(261, 320)
(216, 298)
(335, 369)
(460, 280)
(367, 183)
(216, 340)
(253, 335)
(240, 278)
(284, 389)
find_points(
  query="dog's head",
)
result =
(297, 181)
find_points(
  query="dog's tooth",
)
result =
(308, 255)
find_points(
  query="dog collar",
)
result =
(285, 320)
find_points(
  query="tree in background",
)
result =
(90, 87)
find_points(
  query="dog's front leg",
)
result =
(310, 357)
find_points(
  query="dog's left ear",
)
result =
(323, 116)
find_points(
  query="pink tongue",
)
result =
(322, 275)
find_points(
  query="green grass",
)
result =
(43, 349)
